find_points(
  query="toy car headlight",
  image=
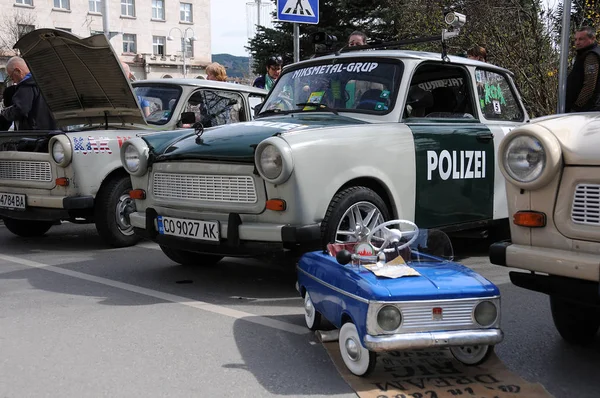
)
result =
(274, 162)
(389, 318)
(486, 313)
(134, 156)
(525, 158)
(61, 150)
(530, 157)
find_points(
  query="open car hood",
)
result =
(81, 79)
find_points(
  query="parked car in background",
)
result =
(552, 169)
(342, 143)
(75, 173)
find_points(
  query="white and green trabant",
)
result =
(342, 143)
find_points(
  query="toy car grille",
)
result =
(25, 171)
(454, 313)
(211, 188)
(586, 204)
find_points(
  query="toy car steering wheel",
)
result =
(394, 235)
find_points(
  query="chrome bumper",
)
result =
(411, 341)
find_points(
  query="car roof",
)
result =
(402, 54)
(203, 83)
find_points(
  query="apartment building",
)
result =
(152, 36)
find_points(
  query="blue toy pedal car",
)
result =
(398, 289)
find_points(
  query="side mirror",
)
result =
(188, 118)
(257, 108)
(343, 257)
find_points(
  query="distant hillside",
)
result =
(236, 66)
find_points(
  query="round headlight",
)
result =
(132, 159)
(486, 313)
(524, 158)
(271, 162)
(389, 318)
(58, 152)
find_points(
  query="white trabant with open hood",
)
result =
(342, 143)
(75, 173)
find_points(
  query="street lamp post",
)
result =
(185, 38)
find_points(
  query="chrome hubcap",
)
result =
(308, 308)
(352, 349)
(124, 203)
(357, 222)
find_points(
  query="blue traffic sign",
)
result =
(299, 11)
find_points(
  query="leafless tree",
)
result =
(12, 27)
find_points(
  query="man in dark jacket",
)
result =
(29, 110)
(583, 83)
(266, 81)
(6, 102)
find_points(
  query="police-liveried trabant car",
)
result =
(342, 142)
(552, 169)
(76, 174)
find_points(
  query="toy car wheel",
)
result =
(27, 228)
(311, 315)
(352, 213)
(185, 257)
(357, 358)
(576, 323)
(113, 206)
(472, 354)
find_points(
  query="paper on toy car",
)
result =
(391, 270)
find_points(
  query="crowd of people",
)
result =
(24, 108)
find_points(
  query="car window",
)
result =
(366, 86)
(440, 91)
(161, 99)
(496, 98)
(216, 107)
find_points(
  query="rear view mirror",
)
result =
(257, 108)
(188, 118)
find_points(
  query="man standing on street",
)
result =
(583, 88)
(29, 110)
(266, 81)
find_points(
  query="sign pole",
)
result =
(564, 56)
(296, 42)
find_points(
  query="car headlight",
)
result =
(486, 313)
(61, 150)
(134, 156)
(530, 157)
(132, 159)
(524, 158)
(389, 318)
(273, 158)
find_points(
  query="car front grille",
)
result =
(586, 204)
(210, 188)
(454, 313)
(25, 170)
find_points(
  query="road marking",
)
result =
(201, 305)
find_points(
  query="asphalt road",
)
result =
(78, 319)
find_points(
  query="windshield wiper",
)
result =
(271, 112)
(320, 106)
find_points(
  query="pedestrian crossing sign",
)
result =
(299, 11)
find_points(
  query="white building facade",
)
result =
(149, 35)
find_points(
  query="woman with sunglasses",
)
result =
(266, 81)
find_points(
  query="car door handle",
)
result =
(485, 137)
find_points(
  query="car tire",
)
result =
(357, 358)
(472, 355)
(185, 257)
(112, 207)
(27, 228)
(577, 323)
(311, 315)
(342, 202)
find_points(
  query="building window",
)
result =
(158, 45)
(64, 29)
(129, 43)
(22, 30)
(185, 12)
(189, 47)
(95, 6)
(158, 9)
(128, 8)
(24, 2)
(64, 4)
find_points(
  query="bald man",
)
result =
(29, 110)
(144, 104)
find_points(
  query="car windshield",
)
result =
(162, 100)
(368, 85)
